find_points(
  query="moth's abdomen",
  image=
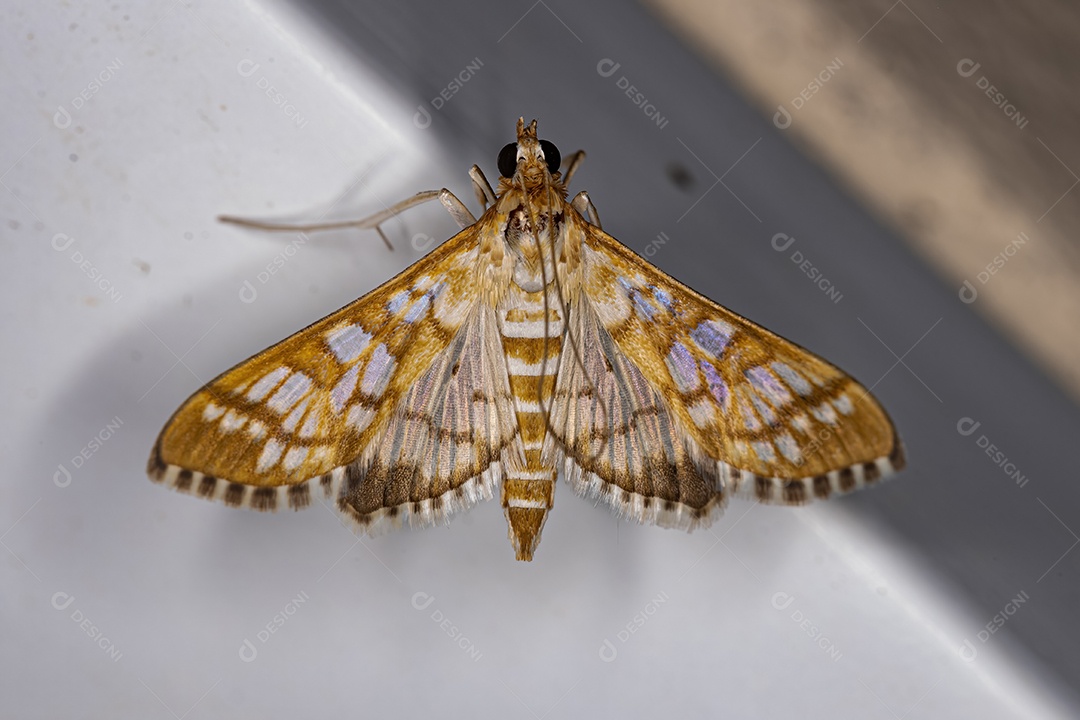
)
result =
(532, 333)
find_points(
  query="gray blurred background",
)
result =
(716, 134)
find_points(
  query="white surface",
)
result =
(176, 135)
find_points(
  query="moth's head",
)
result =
(535, 161)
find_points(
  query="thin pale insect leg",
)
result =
(584, 205)
(461, 214)
(456, 208)
(484, 194)
(369, 222)
(571, 164)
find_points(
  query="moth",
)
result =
(530, 343)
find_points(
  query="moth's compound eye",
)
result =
(551, 156)
(508, 160)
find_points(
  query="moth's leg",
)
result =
(484, 194)
(571, 164)
(455, 207)
(584, 205)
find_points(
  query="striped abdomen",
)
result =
(531, 343)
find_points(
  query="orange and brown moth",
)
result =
(530, 343)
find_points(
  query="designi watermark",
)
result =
(422, 601)
(422, 241)
(652, 248)
(783, 118)
(967, 68)
(62, 116)
(248, 652)
(969, 651)
(61, 243)
(422, 118)
(967, 426)
(608, 651)
(781, 242)
(247, 67)
(782, 601)
(608, 67)
(62, 601)
(968, 292)
(62, 476)
(248, 292)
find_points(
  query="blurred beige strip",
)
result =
(911, 161)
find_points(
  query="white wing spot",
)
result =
(270, 454)
(801, 423)
(294, 457)
(683, 368)
(311, 424)
(266, 383)
(716, 384)
(360, 416)
(797, 382)
(789, 448)
(297, 413)
(713, 336)
(664, 298)
(642, 306)
(767, 384)
(348, 342)
(814, 378)
(378, 371)
(212, 412)
(256, 429)
(751, 420)
(426, 282)
(703, 413)
(343, 390)
(418, 309)
(397, 302)
(290, 392)
(763, 409)
(764, 450)
(824, 413)
(843, 404)
(436, 289)
(232, 421)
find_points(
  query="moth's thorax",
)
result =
(532, 228)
